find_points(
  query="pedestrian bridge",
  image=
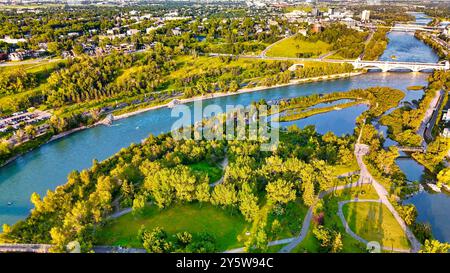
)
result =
(386, 66)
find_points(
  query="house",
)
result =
(446, 133)
(132, 32)
(15, 57)
(176, 31)
(73, 34)
(303, 32)
(446, 116)
(7, 39)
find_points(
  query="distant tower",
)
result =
(365, 16)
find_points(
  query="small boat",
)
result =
(393, 57)
(10, 203)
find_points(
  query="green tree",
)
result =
(155, 241)
(280, 191)
(434, 246)
(224, 195)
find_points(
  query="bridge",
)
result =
(411, 28)
(384, 66)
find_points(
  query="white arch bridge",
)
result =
(411, 28)
(386, 66)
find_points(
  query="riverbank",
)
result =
(187, 100)
(241, 91)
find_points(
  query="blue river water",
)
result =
(47, 167)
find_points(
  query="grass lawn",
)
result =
(331, 220)
(342, 169)
(374, 222)
(192, 218)
(214, 172)
(292, 219)
(291, 46)
(274, 249)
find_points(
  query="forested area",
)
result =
(404, 122)
(256, 184)
(16, 81)
(380, 99)
(376, 45)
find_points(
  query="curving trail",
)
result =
(360, 151)
(307, 221)
(354, 235)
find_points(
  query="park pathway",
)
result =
(223, 165)
(354, 235)
(307, 221)
(264, 52)
(360, 151)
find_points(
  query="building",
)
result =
(315, 12)
(10, 40)
(446, 116)
(331, 11)
(365, 16)
(132, 32)
(176, 31)
(446, 133)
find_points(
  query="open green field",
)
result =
(192, 218)
(331, 220)
(290, 47)
(214, 172)
(374, 222)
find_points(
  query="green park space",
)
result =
(194, 218)
(293, 47)
(213, 171)
(374, 222)
(331, 221)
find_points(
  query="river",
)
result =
(47, 167)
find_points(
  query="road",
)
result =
(372, 32)
(32, 61)
(430, 117)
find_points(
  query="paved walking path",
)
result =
(264, 52)
(223, 165)
(365, 176)
(307, 221)
(354, 235)
(273, 243)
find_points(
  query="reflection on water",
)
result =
(340, 122)
(411, 168)
(407, 48)
(434, 209)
